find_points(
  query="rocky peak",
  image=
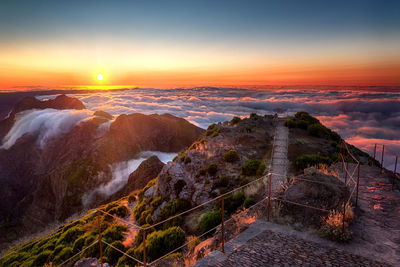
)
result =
(147, 170)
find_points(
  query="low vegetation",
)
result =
(210, 220)
(231, 156)
(253, 167)
(305, 121)
(235, 120)
(212, 168)
(332, 227)
(309, 160)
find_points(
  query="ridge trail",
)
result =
(279, 160)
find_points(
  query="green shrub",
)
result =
(212, 168)
(70, 235)
(306, 117)
(139, 235)
(143, 216)
(223, 181)
(198, 143)
(126, 261)
(111, 206)
(58, 249)
(78, 244)
(249, 202)
(250, 168)
(94, 250)
(201, 172)
(308, 160)
(244, 181)
(120, 211)
(332, 226)
(174, 207)
(42, 258)
(161, 242)
(215, 133)
(63, 255)
(210, 220)
(235, 120)
(334, 136)
(290, 123)
(112, 254)
(138, 209)
(231, 156)
(211, 126)
(177, 256)
(233, 202)
(157, 201)
(131, 198)
(317, 130)
(6, 261)
(148, 185)
(115, 233)
(334, 144)
(261, 168)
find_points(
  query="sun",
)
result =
(100, 77)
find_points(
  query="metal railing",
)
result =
(262, 191)
(392, 153)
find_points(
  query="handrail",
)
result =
(260, 179)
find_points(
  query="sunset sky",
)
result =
(198, 43)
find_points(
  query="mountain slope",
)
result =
(53, 164)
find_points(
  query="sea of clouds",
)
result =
(362, 117)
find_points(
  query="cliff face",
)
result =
(43, 184)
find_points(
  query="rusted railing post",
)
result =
(144, 247)
(269, 197)
(344, 208)
(358, 182)
(394, 172)
(375, 151)
(383, 152)
(222, 225)
(99, 227)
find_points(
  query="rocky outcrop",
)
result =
(147, 170)
(189, 176)
(315, 189)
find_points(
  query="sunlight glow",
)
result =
(100, 77)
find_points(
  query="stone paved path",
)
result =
(268, 244)
(377, 224)
(279, 154)
(277, 249)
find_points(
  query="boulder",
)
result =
(316, 190)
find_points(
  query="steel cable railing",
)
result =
(267, 197)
